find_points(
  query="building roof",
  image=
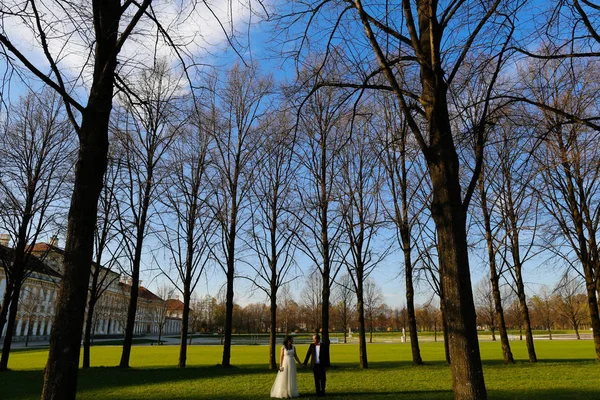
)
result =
(174, 305)
(33, 263)
(143, 293)
(148, 295)
(46, 248)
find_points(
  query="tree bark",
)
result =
(226, 362)
(184, 326)
(60, 375)
(362, 332)
(273, 333)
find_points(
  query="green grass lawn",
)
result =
(566, 370)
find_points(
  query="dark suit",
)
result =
(319, 368)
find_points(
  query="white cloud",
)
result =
(190, 24)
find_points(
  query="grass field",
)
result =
(566, 370)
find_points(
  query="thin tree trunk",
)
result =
(362, 334)
(130, 324)
(226, 362)
(10, 328)
(184, 326)
(87, 335)
(325, 243)
(506, 351)
(410, 308)
(5, 305)
(17, 277)
(273, 333)
(525, 314)
(29, 329)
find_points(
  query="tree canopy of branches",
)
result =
(36, 158)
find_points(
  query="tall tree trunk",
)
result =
(60, 376)
(325, 243)
(449, 214)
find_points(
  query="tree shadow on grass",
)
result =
(28, 384)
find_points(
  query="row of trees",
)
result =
(421, 116)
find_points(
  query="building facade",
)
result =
(37, 301)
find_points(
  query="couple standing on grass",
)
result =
(286, 383)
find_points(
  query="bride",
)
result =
(286, 384)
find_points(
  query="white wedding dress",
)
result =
(286, 384)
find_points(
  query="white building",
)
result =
(39, 293)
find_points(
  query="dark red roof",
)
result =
(148, 295)
(174, 304)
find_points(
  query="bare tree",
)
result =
(236, 114)
(492, 244)
(360, 181)
(103, 19)
(145, 128)
(520, 213)
(288, 310)
(312, 301)
(344, 296)
(373, 300)
(431, 41)
(404, 181)
(36, 155)
(542, 305)
(31, 300)
(323, 127)
(571, 302)
(569, 169)
(274, 228)
(484, 305)
(160, 312)
(188, 222)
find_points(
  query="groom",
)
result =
(318, 353)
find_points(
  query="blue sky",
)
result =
(212, 49)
